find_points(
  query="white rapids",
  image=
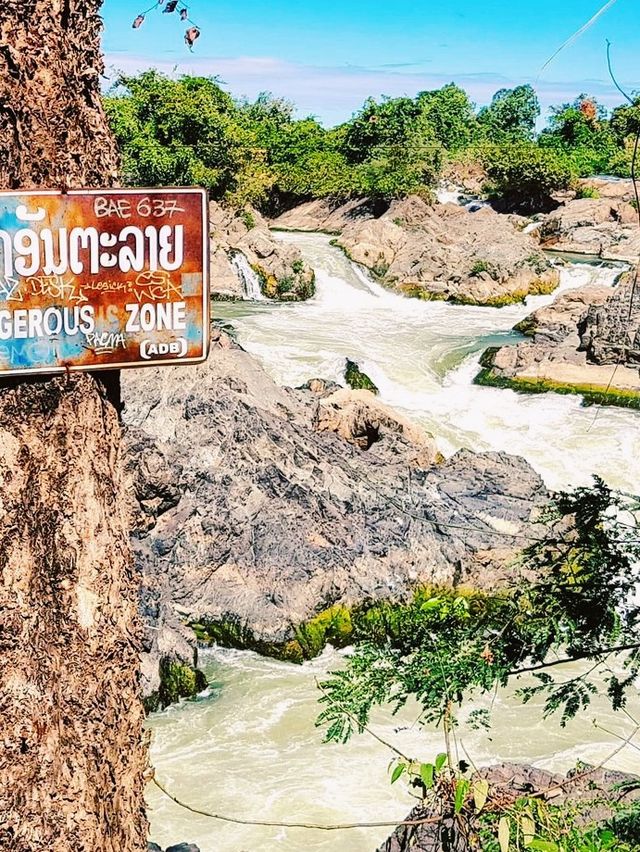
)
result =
(423, 356)
(248, 747)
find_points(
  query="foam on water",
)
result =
(249, 747)
(424, 355)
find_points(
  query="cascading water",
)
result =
(249, 747)
(249, 279)
(423, 357)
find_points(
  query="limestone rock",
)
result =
(253, 516)
(610, 332)
(445, 252)
(569, 345)
(359, 417)
(605, 227)
(280, 269)
(326, 215)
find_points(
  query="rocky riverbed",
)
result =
(586, 342)
(258, 512)
(436, 251)
(246, 262)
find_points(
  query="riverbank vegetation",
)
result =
(577, 607)
(191, 131)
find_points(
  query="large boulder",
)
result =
(246, 261)
(444, 252)
(359, 417)
(326, 215)
(610, 331)
(604, 227)
(569, 345)
(258, 514)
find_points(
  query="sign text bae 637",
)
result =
(99, 279)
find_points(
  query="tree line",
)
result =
(189, 131)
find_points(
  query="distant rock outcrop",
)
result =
(327, 215)
(267, 268)
(603, 227)
(571, 343)
(444, 252)
(251, 510)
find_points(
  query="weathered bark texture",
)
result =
(72, 757)
(52, 126)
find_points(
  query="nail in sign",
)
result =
(103, 279)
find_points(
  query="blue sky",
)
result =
(328, 56)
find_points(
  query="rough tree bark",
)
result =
(72, 757)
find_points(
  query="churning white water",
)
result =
(248, 277)
(423, 356)
(249, 748)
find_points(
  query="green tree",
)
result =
(447, 115)
(580, 132)
(523, 176)
(512, 114)
(448, 647)
(183, 132)
(379, 124)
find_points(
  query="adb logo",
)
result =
(153, 349)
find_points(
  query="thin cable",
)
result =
(577, 35)
(308, 825)
(611, 74)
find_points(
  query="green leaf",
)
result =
(397, 772)
(528, 827)
(480, 793)
(504, 834)
(432, 603)
(441, 759)
(426, 773)
(462, 788)
(543, 846)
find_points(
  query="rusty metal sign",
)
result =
(103, 279)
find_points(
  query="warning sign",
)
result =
(103, 279)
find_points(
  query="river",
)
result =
(248, 747)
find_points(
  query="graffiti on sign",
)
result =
(99, 279)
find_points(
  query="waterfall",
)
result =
(423, 356)
(251, 285)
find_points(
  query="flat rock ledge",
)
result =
(572, 347)
(600, 227)
(596, 791)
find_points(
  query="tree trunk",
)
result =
(72, 757)
(53, 129)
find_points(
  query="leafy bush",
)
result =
(523, 176)
(587, 192)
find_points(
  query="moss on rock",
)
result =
(592, 394)
(177, 680)
(338, 625)
(356, 379)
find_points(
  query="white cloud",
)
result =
(334, 93)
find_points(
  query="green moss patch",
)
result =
(356, 379)
(338, 625)
(592, 394)
(177, 680)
